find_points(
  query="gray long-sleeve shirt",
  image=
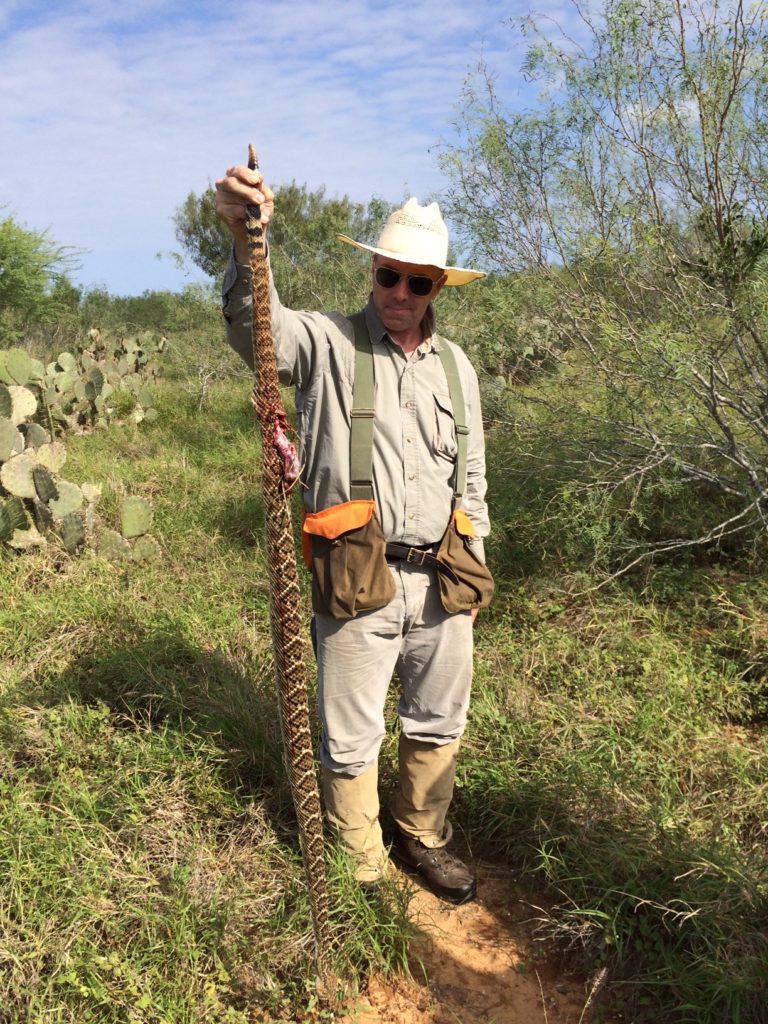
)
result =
(414, 445)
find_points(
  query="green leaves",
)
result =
(33, 267)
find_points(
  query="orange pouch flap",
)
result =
(332, 522)
(338, 519)
(464, 524)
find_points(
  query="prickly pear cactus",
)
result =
(11, 440)
(92, 387)
(113, 546)
(72, 532)
(134, 543)
(102, 381)
(35, 435)
(70, 500)
(6, 402)
(146, 549)
(17, 367)
(44, 483)
(16, 475)
(34, 501)
(6, 530)
(135, 516)
(23, 403)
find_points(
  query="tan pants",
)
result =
(432, 654)
(430, 650)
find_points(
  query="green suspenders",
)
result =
(361, 444)
(361, 439)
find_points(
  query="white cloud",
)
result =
(110, 113)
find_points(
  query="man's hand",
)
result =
(239, 187)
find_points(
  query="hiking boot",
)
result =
(445, 875)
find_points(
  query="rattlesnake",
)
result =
(289, 645)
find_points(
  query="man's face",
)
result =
(398, 307)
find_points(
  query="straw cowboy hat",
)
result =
(417, 234)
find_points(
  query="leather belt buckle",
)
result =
(416, 556)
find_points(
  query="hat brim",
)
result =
(454, 276)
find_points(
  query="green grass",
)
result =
(145, 828)
(619, 749)
(615, 760)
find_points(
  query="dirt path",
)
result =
(476, 964)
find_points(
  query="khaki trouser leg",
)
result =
(352, 808)
(420, 805)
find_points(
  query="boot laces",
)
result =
(445, 861)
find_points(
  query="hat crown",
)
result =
(416, 234)
(413, 215)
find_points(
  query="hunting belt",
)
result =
(422, 555)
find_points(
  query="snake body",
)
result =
(289, 645)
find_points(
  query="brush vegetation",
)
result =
(615, 760)
(617, 753)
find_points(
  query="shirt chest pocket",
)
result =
(444, 431)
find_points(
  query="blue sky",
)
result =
(111, 112)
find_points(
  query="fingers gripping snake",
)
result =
(289, 645)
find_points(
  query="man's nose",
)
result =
(401, 289)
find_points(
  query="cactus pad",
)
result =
(36, 371)
(91, 492)
(112, 546)
(23, 403)
(72, 533)
(146, 549)
(25, 539)
(52, 456)
(16, 475)
(70, 500)
(6, 402)
(17, 367)
(66, 361)
(19, 517)
(6, 530)
(11, 441)
(35, 435)
(44, 520)
(135, 516)
(64, 382)
(45, 485)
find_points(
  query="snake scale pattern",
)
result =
(288, 642)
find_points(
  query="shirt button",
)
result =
(411, 515)
(411, 476)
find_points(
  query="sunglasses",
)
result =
(417, 284)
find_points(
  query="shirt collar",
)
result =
(378, 331)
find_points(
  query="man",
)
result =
(389, 517)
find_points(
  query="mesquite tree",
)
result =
(638, 187)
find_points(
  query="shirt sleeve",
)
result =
(474, 503)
